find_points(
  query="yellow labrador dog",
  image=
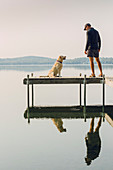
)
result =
(57, 67)
(59, 124)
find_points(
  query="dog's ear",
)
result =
(59, 58)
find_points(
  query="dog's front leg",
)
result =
(52, 74)
(59, 73)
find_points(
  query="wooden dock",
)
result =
(109, 118)
(64, 80)
(81, 111)
(109, 81)
(67, 112)
(68, 80)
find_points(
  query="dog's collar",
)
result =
(59, 61)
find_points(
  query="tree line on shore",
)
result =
(34, 60)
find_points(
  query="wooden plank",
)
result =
(103, 82)
(109, 81)
(63, 80)
(109, 119)
(32, 92)
(27, 91)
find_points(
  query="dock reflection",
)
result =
(57, 114)
(69, 112)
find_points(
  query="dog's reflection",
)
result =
(93, 142)
(59, 124)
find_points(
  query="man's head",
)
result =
(88, 161)
(87, 27)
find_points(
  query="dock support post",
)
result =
(85, 98)
(103, 83)
(28, 99)
(28, 91)
(80, 91)
(32, 92)
(28, 116)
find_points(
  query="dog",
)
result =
(59, 124)
(57, 67)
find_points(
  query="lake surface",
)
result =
(40, 145)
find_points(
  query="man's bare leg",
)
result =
(98, 125)
(99, 65)
(92, 65)
(91, 125)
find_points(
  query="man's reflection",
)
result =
(93, 142)
(59, 124)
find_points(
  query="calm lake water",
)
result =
(40, 145)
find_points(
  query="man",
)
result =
(93, 142)
(92, 49)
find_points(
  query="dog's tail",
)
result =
(44, 76)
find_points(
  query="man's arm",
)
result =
(86, 140)
(87, 41)
(99, 42)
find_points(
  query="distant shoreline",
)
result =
(36, 60)
(48, 64)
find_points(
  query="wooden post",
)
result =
(28, 91)
(85, 98)
(103, 83)
(80, 91)
(32, 92)
(28, 115)
(28, 98)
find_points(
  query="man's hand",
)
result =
(85, 52)
(98, 50)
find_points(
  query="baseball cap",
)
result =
(88, 24)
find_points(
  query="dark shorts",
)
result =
(93, 53)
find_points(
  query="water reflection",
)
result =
(27, 68)
(109, 117)
(57, 114)
(59, 124)
(93, 142)
(65, 112)
(33, 68)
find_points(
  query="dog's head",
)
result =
(61, 58)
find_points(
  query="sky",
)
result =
(50, 28)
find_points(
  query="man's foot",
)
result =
(92, 75)
(100, 75)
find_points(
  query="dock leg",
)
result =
(32, 92)
(28, 99)
(28, 91)
(28, 115)
(85, 98)
(103, 83)
(80, 91)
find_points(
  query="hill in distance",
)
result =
(36, 60)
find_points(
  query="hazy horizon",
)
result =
(50, 28)
(49, 57)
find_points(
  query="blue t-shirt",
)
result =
(93, 40)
